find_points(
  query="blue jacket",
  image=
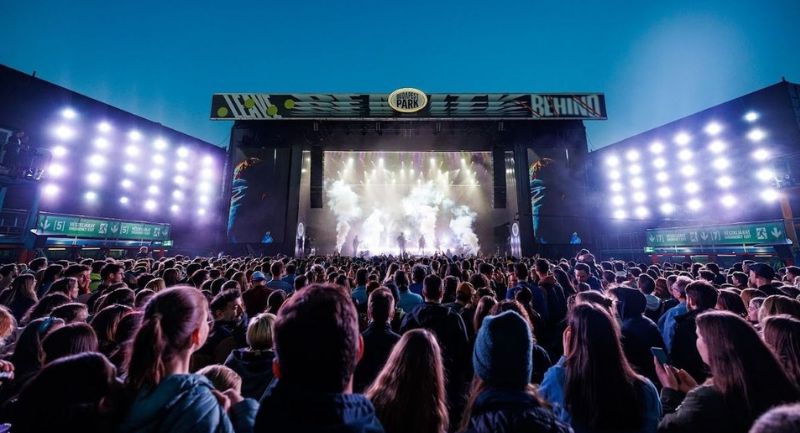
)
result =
(255, 369)
(359, 295)
(539, 303)
(415, 288)
(408, 300)
(552, 390)
(667, 323)
(183, 403)
(284, 409)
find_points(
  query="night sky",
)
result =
(655, 61)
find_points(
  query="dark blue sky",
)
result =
(655, 61)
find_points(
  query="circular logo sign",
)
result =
(408, 100)
(301, 230)
(515, 230)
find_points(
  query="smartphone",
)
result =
(660, 355)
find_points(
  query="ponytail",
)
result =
(146, 369)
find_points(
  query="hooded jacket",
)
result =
(499, 411)
(255, 369)
(184, 403)
(684, 352)
(639, 333)
(284, 409)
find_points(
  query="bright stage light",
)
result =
(765, 175)
(662, 176)
(688, 170)
(380, 161)
(64, 132)
(104, 127)
(160, 143)
(124, 200)
(682, 138)
(150, 205)
(177, 194)
(180, 180)
(612, 161)
(129, 168)
(68, 113)
(617, 200)
(659, 163)
(635, 169)
(632, 155)
(433, 161)
(126, 183)
(156, 174)
(97, 160)
(201, 211)
(90, 196)
(694, 204)
(642, 212)
(728, 200)
(616, 187)
(770, 195)
(94, 179)
(132, 151)
(204, 187)
(184, 152)
(657, 147)
(202, 199)
(620, 214)
(751, 116)
(667, 208)
(56, 170)
(411, 171)
(756, 134)
(175, 208)
(637, 182)
(721, 163)
(717, 146)
(303, 170)
(181, 166)
(761, 154)
(153, 189)
(59, 151)
(351, 160)
(135, 135)
(724, 181)
(639, 197)
(159, 159)
(101, 143)
(713, 128)
(691, 187)
(664, 192)
(614, 174)
(51, 190)
(685, 155)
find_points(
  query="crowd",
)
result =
(425, 345)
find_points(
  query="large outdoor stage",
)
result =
(408, 171)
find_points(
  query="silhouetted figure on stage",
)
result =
(356, 242)
(421, 244)
(401, 242)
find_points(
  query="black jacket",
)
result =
(701, 410)
(498, 411)
(378, 343)
(684, 347)
(255, 369)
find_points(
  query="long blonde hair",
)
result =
(409, 393)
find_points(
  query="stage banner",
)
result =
(409, 103)
(99, 228)
(771, 232)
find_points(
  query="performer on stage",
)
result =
(401, 242)
(355, 246)
(421, 244)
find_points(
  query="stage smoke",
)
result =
(421, 207)
(372, 231)
(343, 201)
(461, 226)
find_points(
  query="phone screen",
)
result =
(660, 354)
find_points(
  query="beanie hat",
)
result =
(503, 347)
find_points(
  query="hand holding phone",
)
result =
(660, 355)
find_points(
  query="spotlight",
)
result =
(51, 190)
(411, 171)
(174, 208)
(64, 132)
(635, 169)
(59, 151)
(770, 195)
(642, 212)
(351, 160)
(303, 170)
(101, 143)
(667, 208)
(728, 200)
(160, 143)
(201, 211)
(156, 174)
(159, 159)
(756, 135)
(94, 178)
(761, 154)
(207, 173)
(657, 147)
(184, 152)
(717, 146)
(685, 154)
(618, 200)
(153, 189)
(639, 197)
(126, 183)
(132, 151)
(721, 163)
(751, 116)
(124, 200)
(620, 214)
(713, 128)
(688, 170)
(56, 170)
(380, 161)
(68, 113)
(90, 196)
(203, 199)
(97, 160)
(181, 166)
(104, 127)
(463, 161)
(180, 180)
(662, 176)
(614, 174)
(150, 205)
(616, 187)
(135, 135)
(204, 187)
(177, 194)
(632, 155)
(664, 192)
(692, 187)
(612, 161)
(694, 204)
(433, 161)
(659, 163)
(682, 138)
(129, 168)
(637, 182)
(765, 175)
(725, 181)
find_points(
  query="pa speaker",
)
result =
(499, 175)
(316, 177)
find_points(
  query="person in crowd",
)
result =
(360, 292)
(653, 308)
(222, 378)
(729, 300)
(21, 296)
(124, 334)
(501, 398)
(753, 310)
(583, 274)
(667, 321)
(317, 347)
(700, 296)
(105, 324)
(44, 307)
(379, 339)
(746, 379)
(156, 285)
(541, 359)
(275, 301)
(779, 419)
(255, 298)
(276, 283)
(254, 362)
(482, 309)
(407, 299)
(82, 276)
(166, 397)
(228, 331)
(27, 355)
(761, 276)
(71, 339)
(779, 304)
(8, 327)
(67, 286)
(639, 333)
(51, 274)
(77, 393)
(782, 335)
(538, 299)
(593, 386)
(7, 274)
(110, 274)
(409, 393)
(464, 305)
